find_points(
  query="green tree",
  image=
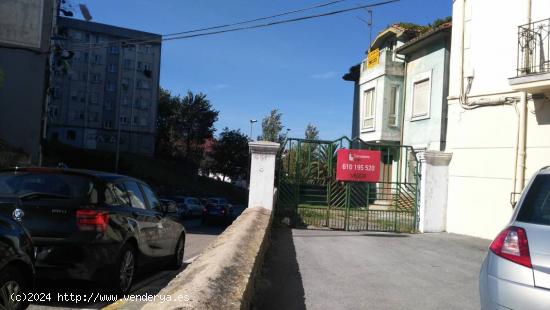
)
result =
(312, 133)
(183, 124)
(272, 127)
(167, 120)
(196, 120)
(230, 154)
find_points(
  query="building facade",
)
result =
(380, 88)
(108, 89)
(25, 31)
(426, 89)
(498, 109)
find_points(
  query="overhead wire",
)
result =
(279, 22)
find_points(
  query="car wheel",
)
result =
(124, 271)
(177, 260)
(12, 283)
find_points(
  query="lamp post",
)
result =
(252, 121)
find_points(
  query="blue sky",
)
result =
(296, 68)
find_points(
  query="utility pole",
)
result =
(369, 23)
(49, 81)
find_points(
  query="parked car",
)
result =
(191, 205)
(216, 210)
(516, 271)
(16, 262)
(91, 225)
(171, 207)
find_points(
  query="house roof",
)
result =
(425, 38)
(395, 30)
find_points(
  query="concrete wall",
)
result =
(429, 62)
(483, 140)
(23, 88)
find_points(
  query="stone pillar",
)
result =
(434, 185)
(262, 174)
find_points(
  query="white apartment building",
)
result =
(499, 109)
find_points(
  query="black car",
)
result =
(216, 210)
(16, 263)
(91, 225)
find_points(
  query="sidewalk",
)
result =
(317, 269)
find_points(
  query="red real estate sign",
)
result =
(358, 165)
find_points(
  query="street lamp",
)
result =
(252, 121)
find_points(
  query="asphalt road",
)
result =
(317, 269)
(149, 281)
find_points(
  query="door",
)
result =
(165, 228)
(149, 223)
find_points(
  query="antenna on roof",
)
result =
(85, 12)
(369, 24)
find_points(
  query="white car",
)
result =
(516, 271)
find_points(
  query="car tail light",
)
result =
(512, 245)
(92, 220)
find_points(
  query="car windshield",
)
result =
(46, 185)
(536, 206)
(193, 201)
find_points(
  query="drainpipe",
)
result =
(522, 130)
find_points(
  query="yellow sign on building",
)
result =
(373, 58)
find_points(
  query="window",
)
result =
(120, 192)
(108, 105)
(536, 205)
(125, 101)
(71, 135)
(94, 98)
(125, 83)
(128, 64)
(154, 203)
(74, 95)
(421, 99)
(369, 106)
(110, 86)
(139, 65)
(112, 68)
(147, 49)
(96, 78)
(96, 59)
(143, 121)
(394, 99)
(147, 66)
(54, 111)
(143, 84)
(113, 49)
(77, 35)
(79, 188)
(108, 124)
(56, 93)
(82, 96)
(136, 120)
(93, 117)
(124, 120)
(136, 197)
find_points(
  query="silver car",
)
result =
(516, 271)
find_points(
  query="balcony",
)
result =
(533, 60)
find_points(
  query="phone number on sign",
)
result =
(359, 167)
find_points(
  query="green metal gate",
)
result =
(309, 195)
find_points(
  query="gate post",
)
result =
(262, 174)
(433, 191)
